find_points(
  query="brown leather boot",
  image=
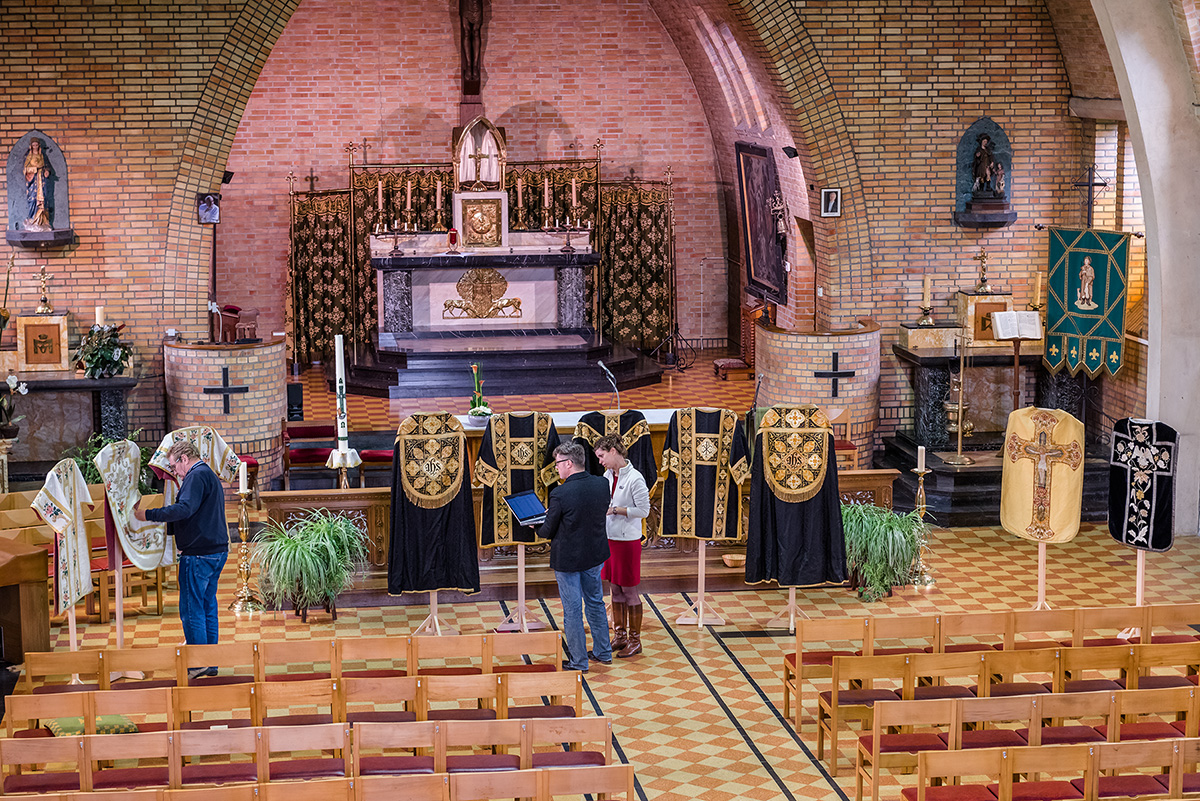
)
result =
(634, 645)
(620, 614)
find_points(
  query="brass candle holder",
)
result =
(926, 317)
(921, 571)
(245, 603)
(958, 458)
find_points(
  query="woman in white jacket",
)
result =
(630, 505)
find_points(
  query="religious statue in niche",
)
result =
(470, 16)
(37, 193)
(984, 180)
(37, 184)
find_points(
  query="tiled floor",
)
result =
(699, 713)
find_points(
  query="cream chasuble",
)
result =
(1041, 493)
(60, 503)
(145, 543)
(213, 452)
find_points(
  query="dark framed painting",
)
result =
(764, 248)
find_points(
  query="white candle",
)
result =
(1037, 292)
(243, 482)
(99, 315)
(520, 190)
(379, 193)
(343, 432)
(920, 457)
(925, 293)
(574, 199)
(546, 191)
(409, 201)
(438, 206)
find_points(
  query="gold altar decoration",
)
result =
(481, 296)
(795, 442)
(431, 458)
(481, 223)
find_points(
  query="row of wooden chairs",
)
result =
(608, 781)
(924, 676)
(818, 641)
(1124, 770)
(352, 700)
(283, 753)
(902, 729)
(293, 660)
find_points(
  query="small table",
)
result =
(24, 601)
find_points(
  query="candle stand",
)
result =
(245, 603)
(921, 572)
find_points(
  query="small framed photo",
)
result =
(42, 343)
(208, 208)
(831, 203)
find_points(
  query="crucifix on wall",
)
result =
(835, 374)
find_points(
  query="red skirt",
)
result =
(624, 565)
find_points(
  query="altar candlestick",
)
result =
(1037, 292)
(379, 193)
(243, 483)
(100, 315)
(408, 204)
(343, 431)
(520, 191)
(574, 199)
(920, 457)
(546, 191)
(925, 294)
(438, 205)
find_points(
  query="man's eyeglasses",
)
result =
(562, 461)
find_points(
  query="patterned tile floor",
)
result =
(699, 713)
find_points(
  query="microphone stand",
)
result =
(611, 380)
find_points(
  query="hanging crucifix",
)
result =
(1091, 184)
(470, 16)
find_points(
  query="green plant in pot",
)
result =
(479, 411)
(881, 547)
(102, 353)
(311, 560)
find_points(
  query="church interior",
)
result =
(812, 262)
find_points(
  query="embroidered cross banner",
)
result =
(1085, 311)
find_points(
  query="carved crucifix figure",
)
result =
(1045, 453)
(470, 13)
(479, 157)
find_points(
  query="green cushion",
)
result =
(105, 724)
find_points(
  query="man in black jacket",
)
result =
(202, 536)
(575, 526)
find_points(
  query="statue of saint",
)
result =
(470, 14)
(37, 183)
(984, 166)
(1087, 280)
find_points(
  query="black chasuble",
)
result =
(634, 431)
(517, 454)
(433, 517)
(795, 535)
(704, 460)
(1141, 484)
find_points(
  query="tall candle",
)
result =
(408, 205)
(439, 195)
(546, 191)
(379, 193)
(574, 198)
(243, 483)
(920, 457)
(925, 294)
(1037, 292)
(343, 432)
(520, 191)
(100, 315)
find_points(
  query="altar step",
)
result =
(440, 366)
(969, 495)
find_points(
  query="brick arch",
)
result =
(219, 109)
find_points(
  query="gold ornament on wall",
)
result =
(481, 296)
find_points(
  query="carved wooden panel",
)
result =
(371, 505)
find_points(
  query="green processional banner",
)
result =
(1085, 311)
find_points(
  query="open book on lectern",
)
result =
(1010, 325)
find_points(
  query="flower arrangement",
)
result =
(102, 352)
(8, 402)
(479, 406)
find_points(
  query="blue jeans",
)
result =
(584, 588)
(198, 579)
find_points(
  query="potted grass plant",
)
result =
(311, 560)
(882, 547)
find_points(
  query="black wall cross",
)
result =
(225, 390)
(835, 374)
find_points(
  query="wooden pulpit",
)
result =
(24, 600)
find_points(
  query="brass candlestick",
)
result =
(1037, 307)
(245, 603)
(958, 458)
(343, 477)
(926, 318)
(921, 571)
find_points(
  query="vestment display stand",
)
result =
(119, 581)
(520, 619)
(789, 612)
(700, 613)
(431, 624)
(1139, 594)
(1041, 601)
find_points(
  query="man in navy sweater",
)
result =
(575, 525)
(202, 536)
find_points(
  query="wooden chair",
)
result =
(19, 756)
(279, 700)
(496, 736)
(296, 660)
(159, 664)
(237, 662)
(149, 709)
(431, 787)
(937, 766)
(312, 790)
(483, 786)
(1076, 762)
(387, 699)
(484, 690)
(52, 671)
(978, 718)
(808, 662)
(1060, 718)
(611, 780)
(741, 368)
(373, 459)
(1182, 657)
(879, 749)
(975, 631)
(1113, 758)
(508, 648)
(233, 706)
(853, 703)
(560, 694)
(1176, 713)
(1100, 626)
(395, 749)
(25, 715)
(1169, 623)
(225, 756)
(380, 657)
(155, 747)
(1103, 667)
(296, 740)
(1002, 669)
(588, 740)
(316, 438)
(1189, 779)
(909, 634)
(232, 792)
(458, 656)
(1037, 629)
(933, 670)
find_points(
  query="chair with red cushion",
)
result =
(1020, 672)
(464, 655)
(1069, 770)
(155, 748)
(218, 756)
(483, 691)
(564, 690)
(853, 695)
(311, 790)
(1114, 758)
(19, 756)
(380, 699)
(1103, 667)
(236, 662)
(880, 749)
(487, 744)
(411, 787)
(588, 742)
(1154, 715)
(158, 666)
(298, 703)
(295, 741)
(1108, 625)
(1062, 718)
(52, 671)
(1181, 660)
(230, 706)
(487, 785)
(954, 675)
(975, 631)
(613, 781)
(509, 649)
(373, 459)
(1035, 629)
(979, 719)
(397, 749)
(26, 715)
(296, 660)
(817, 643)
(935, 766)
(148, 708)
(1172, 623)
(316, 440)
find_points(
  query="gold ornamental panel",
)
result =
(481, 296)
(482, 226)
